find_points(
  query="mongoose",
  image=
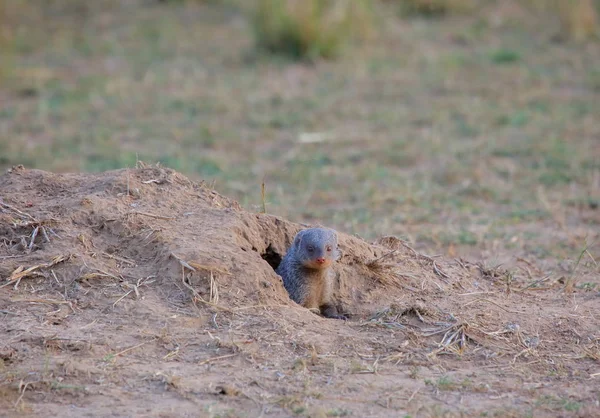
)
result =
(306, 270)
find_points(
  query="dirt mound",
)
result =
(155, 224)
(139, 282)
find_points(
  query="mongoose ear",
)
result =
(335, 235)
(298, 238)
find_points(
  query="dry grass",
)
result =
(579, 19)
(309, 28)
(21, 272)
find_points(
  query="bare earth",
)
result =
(140, 293)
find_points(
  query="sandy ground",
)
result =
(138, 292)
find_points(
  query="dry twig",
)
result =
(210, 360)
(197, 295)
(493, 303)
(20, 272)
(33, 235)
(22, 388)
(454, 339)
(17, 211)
(152, 215)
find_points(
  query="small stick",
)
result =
(460, 263)
(19, 273)
(141, 281)
(46, 238)
(242, 308)
(16, 283)
(2, 311)
(590, 255)
(33, 235)
(543, 279)
(22, 391)
(529, 263)
(114, 257)
(417, 254)
(493, 303)
(409, 247)
(206, 267)
(101, 271)
(89, 325)
(183, 262)
(152, 215)
(475, 293)
(195, 292)
(38, 300)
(130, 348)
(438, 271)
(121, 298)
(135, 288)
(18, 211)
(419, 315)
(413, 395)
(171, 354)
(526, 270)
(382, 257)
(262, 195)
(437, 284)
(54, 275)
(214, 290)
(216, 358)
(445, 330)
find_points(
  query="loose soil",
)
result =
(138, 292)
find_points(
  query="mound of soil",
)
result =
(140, 292)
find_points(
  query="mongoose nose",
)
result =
(320, 260)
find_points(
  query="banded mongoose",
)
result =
(306, 270)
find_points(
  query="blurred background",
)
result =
(464, 126)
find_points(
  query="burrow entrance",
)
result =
(272, 257)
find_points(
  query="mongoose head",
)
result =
(316, 248)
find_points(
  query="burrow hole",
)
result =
(272, 257)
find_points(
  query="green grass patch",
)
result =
(556, 403)
(207, 167)
(504, 56)
(517, 119)
(434, 8)
(593, 79)
(97, 162)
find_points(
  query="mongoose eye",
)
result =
(310, 248)
(329, 248)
